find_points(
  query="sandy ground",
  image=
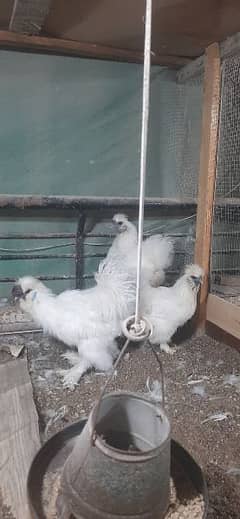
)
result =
(197, 386)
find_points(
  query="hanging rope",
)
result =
(137, 328)
(144, 135)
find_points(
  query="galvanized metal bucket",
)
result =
(125, 472)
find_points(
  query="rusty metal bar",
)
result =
(37, 236)
(11, 257)
(103, 207)
(16, 257)
(64, 277)
(79, 259)
(42, 236)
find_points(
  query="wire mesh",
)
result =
(188, 135)
(225, 257)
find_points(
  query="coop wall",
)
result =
(72, 127)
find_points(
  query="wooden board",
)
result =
(224, 315)
(19, 435)
(23, 42)
(207, 171)
(180, 27)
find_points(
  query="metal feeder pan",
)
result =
(63, 442)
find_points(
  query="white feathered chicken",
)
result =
(168, 308)
(89, 319)
(157, 252)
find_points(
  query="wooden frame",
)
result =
(224, 315)
(19, 435)
(23, 42)
(207, 171)
(228, 48)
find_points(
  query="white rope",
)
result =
(144, 134)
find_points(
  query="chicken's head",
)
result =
(194, 275)
(121, 222)
(25, 291)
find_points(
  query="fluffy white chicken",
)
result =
(168, 308)
(157, 250)
(89, 319)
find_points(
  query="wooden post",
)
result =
(207, 171)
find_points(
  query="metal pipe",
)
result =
(47, 256)
(101, 205)
(79, 259)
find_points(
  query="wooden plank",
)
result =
(10, 40)
(19, 435)
(207, 171)
(224, 315)
(28, 16)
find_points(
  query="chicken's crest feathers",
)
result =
(28, 283)
(194, 270)
(120, 217)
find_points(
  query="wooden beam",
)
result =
(207, 171)
(28, 16)
(22, 42)
(19, 435)
(224, 315)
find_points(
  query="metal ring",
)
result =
(139, 332)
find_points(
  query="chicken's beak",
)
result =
(197, 280)
(17, 293)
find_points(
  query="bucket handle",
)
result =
(109, 379)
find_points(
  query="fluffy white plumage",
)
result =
(89, 319)
(169, 308)
(157, 252)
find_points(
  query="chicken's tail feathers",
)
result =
(160, 250)
(112, 271)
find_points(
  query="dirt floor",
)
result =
(202, 385)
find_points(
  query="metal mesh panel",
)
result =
(188, 136)
(225, 264)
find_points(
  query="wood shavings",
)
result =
(191, 507)
(13, 349)
(57, 415)
(199, 390)
(232, 380)
(51, 485)
(234, 471)
(218, 417)
(5, 510)
(197, 381)
(188, 505)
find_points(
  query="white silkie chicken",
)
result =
(89, 320)
(157, 251)
(168, 308)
